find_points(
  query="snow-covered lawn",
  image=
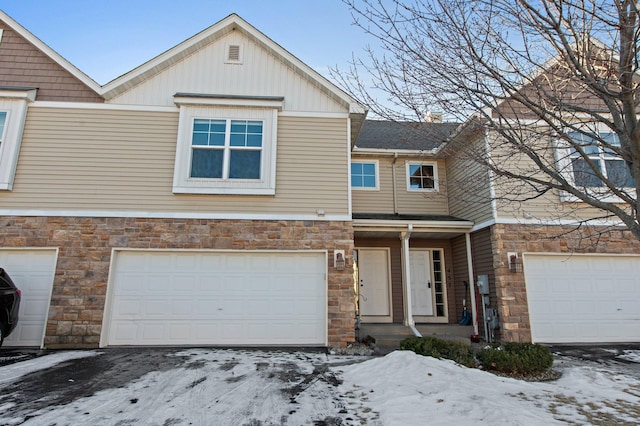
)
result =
(235, 387)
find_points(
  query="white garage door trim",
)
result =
(33, 271)
(223, 312)
(583, 298)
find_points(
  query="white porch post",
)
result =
(472, 286)
(406, 280)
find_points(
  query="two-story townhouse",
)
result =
(201, 198)
(412, 254)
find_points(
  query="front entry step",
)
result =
(388, 336)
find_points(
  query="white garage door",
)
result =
(33, 272)
(216, 298)
(583, 298)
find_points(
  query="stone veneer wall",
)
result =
(78, 300)
(510, 286)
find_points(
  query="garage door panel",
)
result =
(200, 297)
(583, 298)
(33, 271)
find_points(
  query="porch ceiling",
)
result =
(375, 225)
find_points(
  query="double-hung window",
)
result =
(226, 145)
(422, 177)
(226, 149)
(604, 160)
(364, 175)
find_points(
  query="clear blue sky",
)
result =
(106, 38)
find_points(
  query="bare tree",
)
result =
(557, 80)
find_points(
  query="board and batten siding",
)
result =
(408, 202)
(117, 160)
(261, 73)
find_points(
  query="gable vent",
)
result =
(233, 53)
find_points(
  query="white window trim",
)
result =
(436, 186)
(266, 185)
(565, 166)
(14, 103)
(376, 165)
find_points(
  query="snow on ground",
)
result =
(272, 388)
(10, 373)
(630, 355)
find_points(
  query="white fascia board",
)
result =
(393, 152)
(100, 106)
(459, 226)
(551, 222)
(56, 57)
(27, 94)
(174, 215)
(257, 102)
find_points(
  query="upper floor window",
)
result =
(422, 176)
(603, 159)
(3, 118)
(226, 145)
(364, 175)
(13, 113)
(226, 149)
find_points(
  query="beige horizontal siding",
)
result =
(408, 202)
(469, 188)
(77, 159)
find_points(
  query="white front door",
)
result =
(421, 283)
(373, 285)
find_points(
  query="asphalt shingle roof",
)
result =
(395, 135)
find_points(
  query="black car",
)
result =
(9, 305)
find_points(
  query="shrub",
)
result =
(515, 358)
(439, 348)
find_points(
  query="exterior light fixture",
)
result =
(514, 262)
(338, 260)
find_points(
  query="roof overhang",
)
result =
(433, 229)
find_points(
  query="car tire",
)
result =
(2, 326)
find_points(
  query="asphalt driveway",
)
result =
(205, 386)
(249, 385)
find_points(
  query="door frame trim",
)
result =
(424, 319)
(377, 318)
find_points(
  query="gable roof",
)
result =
(231, 23)
(49, 52)
(404, 135)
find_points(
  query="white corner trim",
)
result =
(492, 188)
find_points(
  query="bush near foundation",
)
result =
(440, 348)
(516, 359)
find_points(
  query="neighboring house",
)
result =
(224, 193)
(201, 198)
